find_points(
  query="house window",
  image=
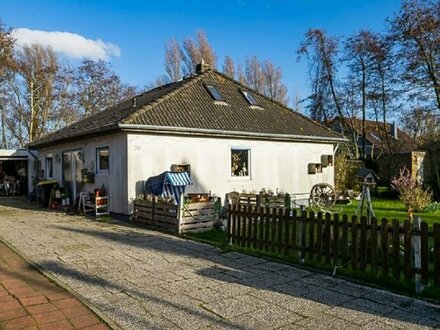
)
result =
(49, 167)
(250, 98)
(240, 162)
(102, 160)
(215, 94)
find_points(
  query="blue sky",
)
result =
(239, 28)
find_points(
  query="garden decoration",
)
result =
(322, 196)
(367, 178)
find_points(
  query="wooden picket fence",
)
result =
(382, 248)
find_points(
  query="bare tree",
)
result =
(195, 51)
(416, 29)
(359, 56)
(240, 74)
(229, 67)
(97, 87)
(173, 60)
(321, 52)
(254, 74)
(6, 73)
(273, 86)
(37, 67)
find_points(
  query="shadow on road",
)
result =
(235, 268)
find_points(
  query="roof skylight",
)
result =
(215, 94)
(249, 97)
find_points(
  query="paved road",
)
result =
(141, 279)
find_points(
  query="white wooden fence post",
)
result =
(180, 214)
(417, 255)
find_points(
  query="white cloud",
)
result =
(69, 44)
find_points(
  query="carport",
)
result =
(14, 168)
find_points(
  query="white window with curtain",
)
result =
(49, 166)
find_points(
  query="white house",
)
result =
(228, 136)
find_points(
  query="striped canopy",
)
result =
(168, 184)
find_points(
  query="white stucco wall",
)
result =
(274, 165)
(115, 181)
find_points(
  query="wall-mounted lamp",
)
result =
(57, 158)
(81, 156)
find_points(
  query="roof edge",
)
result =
(223, 133)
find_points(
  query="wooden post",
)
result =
(180, 213)
(354, 239)
(319, 237)
(235, 207)
(396, 249)
(280, 229)
(335, 238)
(267, 229)
(294, 226)
(327, 231)
(344, 239)
(436, 228)
(424, 238)
(363, 245)
(384, 247)
(373, 244)
(286, 231)
(311, 235)
(417, 246)
(303, 236)
(407, 269)
(249, 230)
(228, 225)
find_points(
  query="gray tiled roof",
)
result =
(188, 105)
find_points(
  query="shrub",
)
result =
(411, 193)
(432, 207)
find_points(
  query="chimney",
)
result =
(394, 130)
(202, 67)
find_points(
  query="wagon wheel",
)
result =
(322, 195)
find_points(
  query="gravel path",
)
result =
(141, 279)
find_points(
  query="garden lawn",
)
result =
(392, 209)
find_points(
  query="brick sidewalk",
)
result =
(28, 300)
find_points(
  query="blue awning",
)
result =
(177, 178)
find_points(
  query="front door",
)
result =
(72, 165)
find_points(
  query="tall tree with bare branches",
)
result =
(37, 67)
(321, 52)
(173, 60)
(254, 74)
(229, 67)
(273, 86)
(98, 87)
(416, 29)
(196, 50)
(6, 73)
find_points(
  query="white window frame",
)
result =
(46, 166)
(249, 163)
(98, 163)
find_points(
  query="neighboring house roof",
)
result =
(375, 134)
(186, 107)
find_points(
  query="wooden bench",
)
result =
(91, 203)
